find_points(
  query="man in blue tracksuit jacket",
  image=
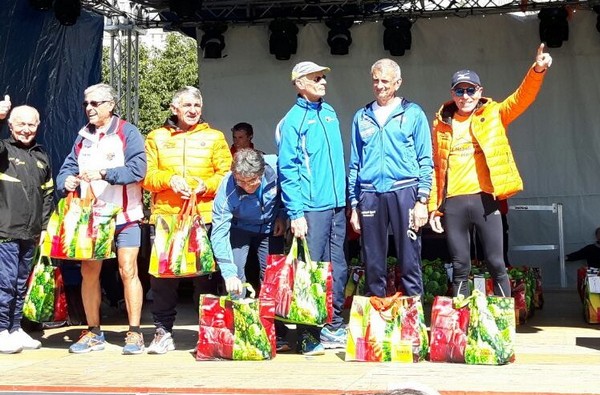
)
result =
(313, 181)
(389, 180)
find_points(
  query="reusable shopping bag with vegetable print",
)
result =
(238, 329)
(302, 289)
(181, 246)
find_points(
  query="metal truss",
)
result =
(124, 64)
(158, 13)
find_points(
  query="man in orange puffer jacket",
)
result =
(474, 168)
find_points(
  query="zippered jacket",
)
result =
(311, 159)
(235, 209)
(391, 156)
(121, 152)
(201, 152)
(26, 190)
(488, 126)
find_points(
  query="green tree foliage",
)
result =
(161, 73)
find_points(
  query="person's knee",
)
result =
(128, 270)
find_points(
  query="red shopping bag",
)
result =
(301, 289)
(448, 331)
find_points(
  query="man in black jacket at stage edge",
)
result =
(26, 189)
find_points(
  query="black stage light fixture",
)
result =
(339, 37)
(597, 11)
(554, 27)
(213, 41)
(397, 37)
(41, 5)
(283, 40)
(67, 11)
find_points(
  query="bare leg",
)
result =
(91, 295)
(132, 286)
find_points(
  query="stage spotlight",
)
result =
(67, 11)
(283, 41)
(41, 5)
(554, 28)
(597, 11)
(213, 41)
(397, 37)
(339, 37)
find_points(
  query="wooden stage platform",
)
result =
(557, 353)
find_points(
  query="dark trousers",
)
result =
(16, 257)
(243, 241)
(326, 237)
(378, 212)
(481, 212)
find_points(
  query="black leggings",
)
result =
(461, 215)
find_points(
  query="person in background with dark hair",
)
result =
(475, 169)
(26, 203)
(242, 134)
(247, 214)
(108, 160)
(591, 253)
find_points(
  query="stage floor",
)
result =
(556, 353)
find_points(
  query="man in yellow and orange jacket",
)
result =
(474, 168)
(185, 156)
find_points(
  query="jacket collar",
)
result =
(447, 110)
(302, 102)
(89, 130)
(171, 124)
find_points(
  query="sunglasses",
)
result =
(94, 103)
(460, 92)
(318, 79)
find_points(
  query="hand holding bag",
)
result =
(302, 289)
(181, 246)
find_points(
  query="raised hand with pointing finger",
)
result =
(543, 60)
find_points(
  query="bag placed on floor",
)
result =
(387, 329)
(491, 331)
(591, 296)
(448, 330)
(302, 289)
(45, 300)
(181, 246)
(238, 329)
(81, 228)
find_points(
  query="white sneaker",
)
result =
(8, 344)
(162, 342)
(28, 343)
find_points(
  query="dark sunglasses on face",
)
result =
(460, 92)
(94, 103)
(318, 79)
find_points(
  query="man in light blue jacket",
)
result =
(389, 180)
(313, 181)
(247, 214)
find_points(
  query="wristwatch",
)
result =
(422, 199)
(103, 173)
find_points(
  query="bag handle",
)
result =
(187, 208)
(293, 254)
